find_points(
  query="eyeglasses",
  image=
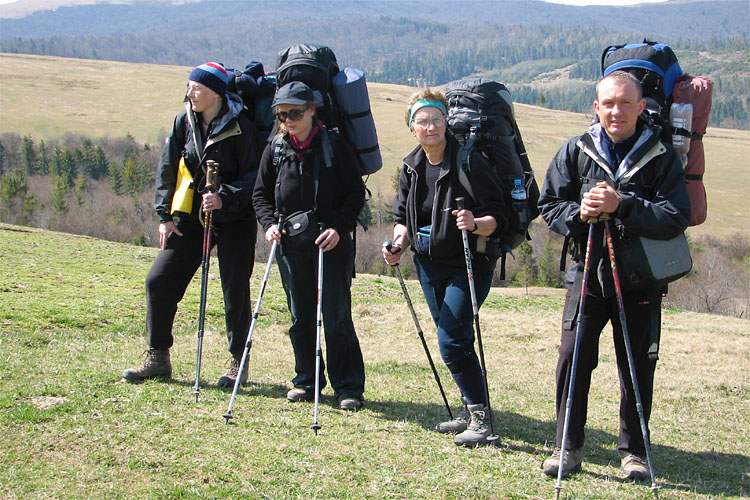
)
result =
(293, 114)
(194, 89)
(438, 122)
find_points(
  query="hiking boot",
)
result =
(156, 364)
(300, 394)
(634, 467)
(350, 404)
(573, 459)
(477, 430)
(458, 424)
(230, 376)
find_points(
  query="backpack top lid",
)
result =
(314, 65)
(655, 57)
(482, 105)
(252, 82)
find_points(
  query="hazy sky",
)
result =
(569, 2)
(604, 2)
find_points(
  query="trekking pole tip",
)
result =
(227, 417)
(655, 489)
(315, 428)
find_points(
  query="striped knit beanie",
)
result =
(212, 75)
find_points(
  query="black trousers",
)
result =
(175, 266)
(299, 272)
(599, 311)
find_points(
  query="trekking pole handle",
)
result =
(212, 175)
(602, 217)
(460, 202)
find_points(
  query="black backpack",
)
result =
(315, 66)
(256, 88)
(480, 115)
(341, 98)
(655, 65)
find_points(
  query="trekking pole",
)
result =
(388, 244)
(248, 343)
(319, 321)
(211, 178)
(574, 363)
(492, 438)
(631, 362)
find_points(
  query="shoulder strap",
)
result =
(278, 151)
(463, 161)
(326, 144)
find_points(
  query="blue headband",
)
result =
(425, 103)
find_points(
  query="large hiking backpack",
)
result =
(656, 67)
(480, 115)
(677, 103)
(256, 88)
(340, 96)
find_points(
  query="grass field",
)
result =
(72, 319)
(49, 96)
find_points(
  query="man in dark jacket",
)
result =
(210, 128)
(621, 168)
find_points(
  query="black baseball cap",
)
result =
(296, 93)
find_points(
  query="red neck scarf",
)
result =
(299, 146)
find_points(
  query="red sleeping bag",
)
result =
(696, 90)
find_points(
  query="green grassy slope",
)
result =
(72, 319)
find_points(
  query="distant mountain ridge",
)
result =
(688, 19)
(548, 54)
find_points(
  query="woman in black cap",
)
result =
(308, 177)
(210, 128)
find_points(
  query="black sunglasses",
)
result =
(293, 114)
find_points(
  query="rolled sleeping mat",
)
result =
(350, 93)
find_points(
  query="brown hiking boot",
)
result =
(156, 364)
(573, 460)
(300, 394)
(230, 376)
(478, 429)
(458, 424)
(634, 467)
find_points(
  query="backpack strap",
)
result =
(326, 144)
(463, 160)
(279, 149)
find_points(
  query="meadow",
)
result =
(48, 97)
(72, 319)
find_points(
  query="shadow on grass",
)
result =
(709, 473)
(705, 472)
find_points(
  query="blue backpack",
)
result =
(256, 88)
(656, 67)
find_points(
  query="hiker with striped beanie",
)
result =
(211, 128)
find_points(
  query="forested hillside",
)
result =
(547, 54)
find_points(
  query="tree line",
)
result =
(552, 65)
(104, 188)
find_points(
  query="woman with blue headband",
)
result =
(427, 220)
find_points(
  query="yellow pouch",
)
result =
(182, 200)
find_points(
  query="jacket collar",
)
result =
(646, 147)
(226, 124)
(418, 157)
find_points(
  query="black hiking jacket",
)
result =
(232, 142)
(654, 204)
(341, 191)
(446, 242)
